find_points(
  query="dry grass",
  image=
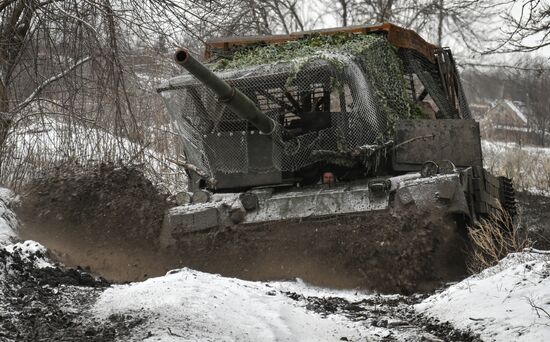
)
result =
(493, 238)
(528, 167)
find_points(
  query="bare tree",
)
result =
(527, 27)
(42, 39)
(91, 63)
(536, 83)
(362, 11)
(443, 21)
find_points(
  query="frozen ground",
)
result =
(195, 306)
(42, 301)
(199, 306)
(508, 302)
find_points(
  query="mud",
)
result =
(393, 315)
(388, 252)
(53, 304)
(108, 220)
(49, 304)
(104, 219)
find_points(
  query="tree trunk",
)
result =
(344, 5)
(386, 11)
(5, 120)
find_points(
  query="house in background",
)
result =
(508, 114)
(479, 110)
(508, 120)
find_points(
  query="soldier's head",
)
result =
(328, 178)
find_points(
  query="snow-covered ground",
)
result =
(507, 302)
(198, 306)
(46, 142)
(195, 306)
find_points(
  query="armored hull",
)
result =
(406, 237)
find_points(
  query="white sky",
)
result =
(314, 12)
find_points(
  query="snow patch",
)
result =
(192, 305)
(507, 302)
(502, 147)
(8, 220)
(45, 142)
(528, 166)
(32, 251)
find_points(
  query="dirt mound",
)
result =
(34, 301)
(104, 218)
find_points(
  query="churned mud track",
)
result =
(104, 219)
(387, 252)
(108, 220)
(390, 318)
(53, 303)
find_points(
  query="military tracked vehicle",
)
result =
(346, 157)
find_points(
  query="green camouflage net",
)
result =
(375, 55)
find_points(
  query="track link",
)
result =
(507, 196)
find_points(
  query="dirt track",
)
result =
(393, 313)
(54, 304)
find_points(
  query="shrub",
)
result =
(494, 237)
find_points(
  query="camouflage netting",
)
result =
(355, 81)
(375, 56)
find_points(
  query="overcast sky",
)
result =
(314, 12)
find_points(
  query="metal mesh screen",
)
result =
(430, 74)
(339, 96)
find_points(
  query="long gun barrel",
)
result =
(234, 98)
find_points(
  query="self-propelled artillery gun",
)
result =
(346, 157)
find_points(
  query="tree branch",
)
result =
(47, 82)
